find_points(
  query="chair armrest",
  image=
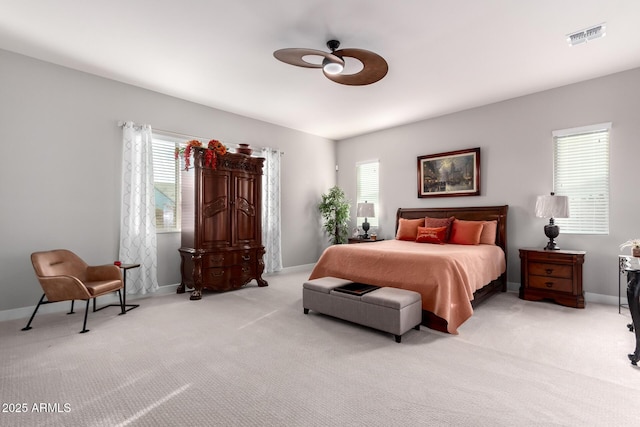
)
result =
(63, 288)
(103, 272)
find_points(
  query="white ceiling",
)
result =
(444, 56)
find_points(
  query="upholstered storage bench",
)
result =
(387, 309)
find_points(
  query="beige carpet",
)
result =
(252, 358)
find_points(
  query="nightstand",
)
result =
(555, 275)
(359, 240)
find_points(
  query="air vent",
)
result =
(587, 34)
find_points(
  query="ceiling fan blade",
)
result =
(294, 56)
(374, 68)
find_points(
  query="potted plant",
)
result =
(334, 209)
(634, 244)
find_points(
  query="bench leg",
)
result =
(306, 311)
(399, 337)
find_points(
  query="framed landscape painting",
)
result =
(456, 173)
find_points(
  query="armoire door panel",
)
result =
(215, 215)
(245, 209)
(216, 231)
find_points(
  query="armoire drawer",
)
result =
(225, 259)
(215, 275)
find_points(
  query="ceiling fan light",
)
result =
(331, 67)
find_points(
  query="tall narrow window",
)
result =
(367, 188)
(166, 184)
(581, 171)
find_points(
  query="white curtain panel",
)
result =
(271, 210)
(138, 244)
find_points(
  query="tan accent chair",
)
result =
(65, 277)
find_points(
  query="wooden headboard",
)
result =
(477, 213)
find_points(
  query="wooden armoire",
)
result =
(221, 246)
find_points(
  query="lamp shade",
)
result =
(552, 206)
(365, 210)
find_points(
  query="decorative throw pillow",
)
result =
(431, 235)
(408, 228)
(466, 232)
(488, 235)
(440, 222)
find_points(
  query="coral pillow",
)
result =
(431, 235)
(488, 235)
(466, 232)
(440, 222)
(408, 228)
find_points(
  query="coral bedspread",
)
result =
(445, 275)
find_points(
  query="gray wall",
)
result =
(60, 168)
(517, 165)
(61, 148)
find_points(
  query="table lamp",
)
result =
(365, 210)
(552, 207)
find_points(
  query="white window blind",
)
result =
(166, 184)
(581, 171)
(367, 188)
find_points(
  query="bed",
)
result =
(452, 278)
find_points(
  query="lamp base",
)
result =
(551, 231)
(365, 228)
(551, 246)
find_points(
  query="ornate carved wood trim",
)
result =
(230, 161)
(218, 205)
(246, 207)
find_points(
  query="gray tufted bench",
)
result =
(387, 309)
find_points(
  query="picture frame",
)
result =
(450, 174)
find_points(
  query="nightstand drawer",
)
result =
(551, 283)
(552, 270)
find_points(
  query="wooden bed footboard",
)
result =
(478, 213)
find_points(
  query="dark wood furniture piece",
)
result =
(222, 235)
(633, 298)
(625, 262)
(353, 240)
(478, 213)
(554, 275)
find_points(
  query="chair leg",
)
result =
(86, 312)
(72, 301)
(26, 328)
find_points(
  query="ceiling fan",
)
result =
(374, 67)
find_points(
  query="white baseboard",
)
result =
(294, 269)
(588, 296)
(25, 312)
(64, 306)
(601, 299)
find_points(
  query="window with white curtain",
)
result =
(166, 176)
(581, 171)
(367, 189)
